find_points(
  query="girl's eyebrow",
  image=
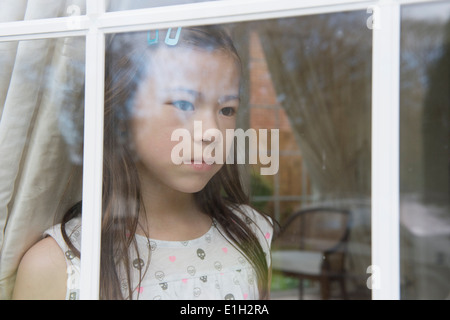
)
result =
(195, 94)
(229, 98)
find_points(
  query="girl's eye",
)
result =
(228, 111)
(183, 105)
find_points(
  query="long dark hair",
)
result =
(221, 198)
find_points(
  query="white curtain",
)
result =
(321, 69)
(41, 87)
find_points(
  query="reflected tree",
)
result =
(436, 133)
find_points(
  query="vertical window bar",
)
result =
(93, 156)
(385, 269)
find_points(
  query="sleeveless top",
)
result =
(208, 267)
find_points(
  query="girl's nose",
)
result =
(205, 127)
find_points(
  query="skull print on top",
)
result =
(208, 267)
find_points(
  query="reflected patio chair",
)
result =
(312, 244)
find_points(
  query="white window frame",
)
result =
(385, 106)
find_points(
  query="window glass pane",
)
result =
(294, 95)
(310, 78)
(41, 139)
(424, 161)
(17, 10)
(117, 5)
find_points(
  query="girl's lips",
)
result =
(203, 166)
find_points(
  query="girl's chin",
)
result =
(196, 178)
(192, 187)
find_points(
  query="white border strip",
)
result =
(92, 162)
(385, 152)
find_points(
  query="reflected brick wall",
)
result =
(266, 112)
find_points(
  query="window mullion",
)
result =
(385, 151)
(93, 158)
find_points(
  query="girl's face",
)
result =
(184, 86)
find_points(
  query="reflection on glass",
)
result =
(175, 220)
(310, 77)
(41, 137)
(424, 161)
(310, 91)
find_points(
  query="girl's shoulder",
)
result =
(251, 215)
(261, 224)
(41, 273)
(73, 232)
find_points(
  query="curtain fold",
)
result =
(42, 81)
(321, 69)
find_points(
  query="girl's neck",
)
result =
(168, 214)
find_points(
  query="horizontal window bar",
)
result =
(44, 28)
(221, 12)
(179, 15)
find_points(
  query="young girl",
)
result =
(169, 231)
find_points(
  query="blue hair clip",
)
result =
(172, 41)
(169, 41)
(151, 40)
